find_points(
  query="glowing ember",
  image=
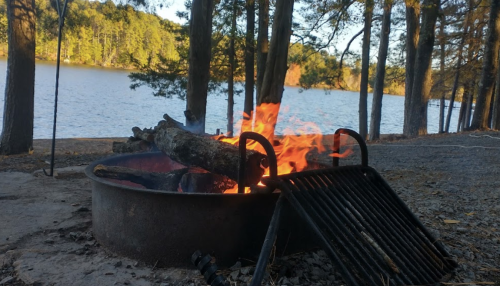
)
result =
(291, 148)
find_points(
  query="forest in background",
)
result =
(120, 36)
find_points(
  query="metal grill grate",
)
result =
(367, 230)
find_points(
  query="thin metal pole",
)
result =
(59, 37)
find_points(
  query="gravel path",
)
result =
(442, 178)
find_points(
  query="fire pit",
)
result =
(167, 227)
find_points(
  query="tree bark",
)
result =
(249, 60)
(230, 75)
(262, 44)
(441, 74)
(276, 64)
(495, 124)
(378, 91)
(457, 74)
(365, 69)
(412, 34)
(490, 66)
(200, 37)
(17, 131)
(422, 76)
(214, 156)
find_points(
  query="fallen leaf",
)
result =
(31, 151)
(451, 221)
(471, 213)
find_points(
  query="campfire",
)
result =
(210, 163)
(367, 231)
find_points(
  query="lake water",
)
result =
(97, 102)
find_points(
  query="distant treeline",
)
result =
(102, 34)
(110, 35)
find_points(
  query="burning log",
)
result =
(189, 180)
(197, 179)
(215, 156)
(157, 181)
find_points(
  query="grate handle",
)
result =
(355, 135)
(271, 157)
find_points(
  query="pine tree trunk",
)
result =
(17, 131)
(276, 64)
(470, 100)
(412, 34)
(495, 124)
(441, 74)
(262, 43)
(230, 74)
(422, 72)
(365, 66)
(200, 36)
(378, 91)
(249, 59)
(490, 65)
(459, 67)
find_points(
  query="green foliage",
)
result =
(103, 34)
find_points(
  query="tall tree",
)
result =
(17, 131)
(495, 124)
(412, 34)
(200, 35)
(249, 58)
(378, 91)
(490, 66)
(365, 69)
(458, 70)
(276, 64)
(422, 76)
(230, 73)
(262, 43)
(442, 56)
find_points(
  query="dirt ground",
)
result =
(46, 228)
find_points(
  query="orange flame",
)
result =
(291, 148)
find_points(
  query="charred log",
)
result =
(198, 180)
(157, 181)
(215, 156)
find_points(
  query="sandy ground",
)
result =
(46, 228)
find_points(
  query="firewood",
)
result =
(158, 181)
(131, 146)
(198, 180)
(142, 134)
(215, 156)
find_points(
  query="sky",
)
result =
(178, 5)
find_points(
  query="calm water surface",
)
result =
(97, 102)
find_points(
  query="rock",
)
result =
(246, 270)
(6, 280)
(234, 275)
(49, 241)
